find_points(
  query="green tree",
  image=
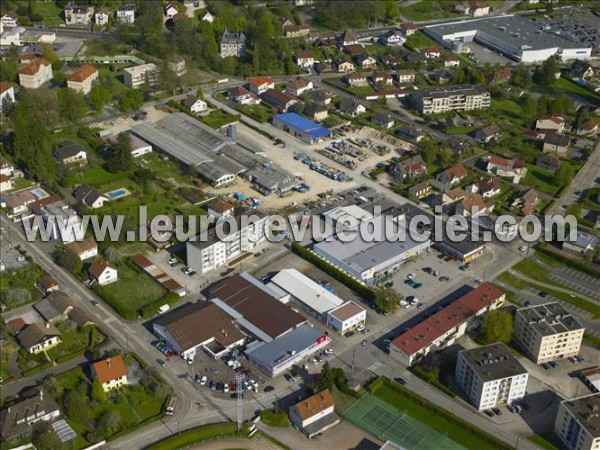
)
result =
(547, 71)
(70, 261)
(99, 96)
(386, 299)
(131, 99)
(110, 422)
(49, 54)
(31, 144)
(76, 406)
(561, 104)
(543, 105)
(119, 155)
(98, 393)
(10, 66)
(564, 174)
(72, 105)
(44, 437)
(497, 326)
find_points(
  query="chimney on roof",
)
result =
(41, 394)
(47, 325)
(108, 362)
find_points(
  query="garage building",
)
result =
(301, 128)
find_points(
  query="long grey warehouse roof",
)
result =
(183, 137)
(513, 30)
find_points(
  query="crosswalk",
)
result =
(110, 319)
(373, 367)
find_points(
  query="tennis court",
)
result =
(387, 423)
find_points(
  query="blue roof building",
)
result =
(301, 128)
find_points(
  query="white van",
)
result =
(163, 309)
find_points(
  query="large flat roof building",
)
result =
(444, 327)
(254, 306)
(300, 127)
(578, 422)
(491, 375)
(463, 97)
(280, 354)
(548, 332)
(515, 37)
(365, 259)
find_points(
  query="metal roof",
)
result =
(315, 130)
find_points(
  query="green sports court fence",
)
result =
(387, 423)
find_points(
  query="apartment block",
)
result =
(491, 375)
(578, 422)
(35, 74)
(136, 76)
(547, 332)
(452, 98)
(224, 243)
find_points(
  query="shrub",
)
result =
(274, 419)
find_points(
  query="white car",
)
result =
(414, 301)
(410, 276)
(203, 380)
(225, 388)
(404, 303)
(254, 383)
(314, 361)
(523, 248)
(360, 328)
(329, 351)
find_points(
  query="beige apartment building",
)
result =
(452, 98)
(82, 78)
(578, 422)
(547, 332)
(136, 76)
(35, 74)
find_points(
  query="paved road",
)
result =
(584, 179)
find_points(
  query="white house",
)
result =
(9, 20)
(60, 220)
(81, 79)
(38, 337)
(491, 375)
(315, 414)
(111, 372)
(101, 16)
(170, 11)
(346, 317)
(260, 85)
(86, 249)
(207, 16)
(299, 86)
(102, 272)
(219, 208)
(392, 37)
(126, 13)
(405, 76)
(35, 74)
(194, 104)
(89, 196)
(305, 58)
(7, 94)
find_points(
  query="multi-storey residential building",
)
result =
(126, 13)
(35, 74)
(211, 252)
(547, 332)
(232, 44)
(491, 375)
(78, 15)
(452, 98)
(578, 422)
(82, 78)
(136, 76)
(444, 327)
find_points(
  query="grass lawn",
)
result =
(96, 176)
(259, 112)
(18, 287)
(199, 434)
(428, 10)
(461, 434)
(504, 107)
(50, 12)
(133, 405)
(564, 86)
(540, 179)
(548, 441)
(75, 339)
(333, 120)
(133, 291)
(218, 118)
(164, 168)
(21, 183)
(511, 280)
(360, 90)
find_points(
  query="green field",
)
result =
(133, 291)
(96, 176)
(429, 10)
(395, 413)
(540, 179)
(50, 12)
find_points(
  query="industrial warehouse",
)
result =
(516, 38)
(217, 158)
(301, 128)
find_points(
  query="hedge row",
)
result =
(339, 378)
(149, 310)
(586, 268)
(37, 369)
(491, 440)
(199, 434)
(337, 274)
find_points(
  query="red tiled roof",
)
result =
(4, 87)
(33, 67)
(452, 315)
(99, 266)
(259, 81)
(304, 54)
(82, 73)
(110, 369)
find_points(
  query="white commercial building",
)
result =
(136, 76)
(578, 422)
(346, 317)
(491, 375)
(211, 252)
(515, 37)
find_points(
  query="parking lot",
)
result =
(12, 259)
(578, 281)
(581, 28)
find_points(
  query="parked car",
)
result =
(203, 380)
(288, 377)
(511, 408)
(225, 388)
(444, 278)
(400, 380)
(329, 351)
(350, 334)
(488, 413)
(212, 370)
(268, 389)
(95, 303)
(553, 364)
(410, 276)
(545, 366)
(497, 411)
(360, 328)
(160, 362)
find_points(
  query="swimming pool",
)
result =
(39, 193)
(117, 193)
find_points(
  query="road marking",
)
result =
(373, 367)
(111, 319)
